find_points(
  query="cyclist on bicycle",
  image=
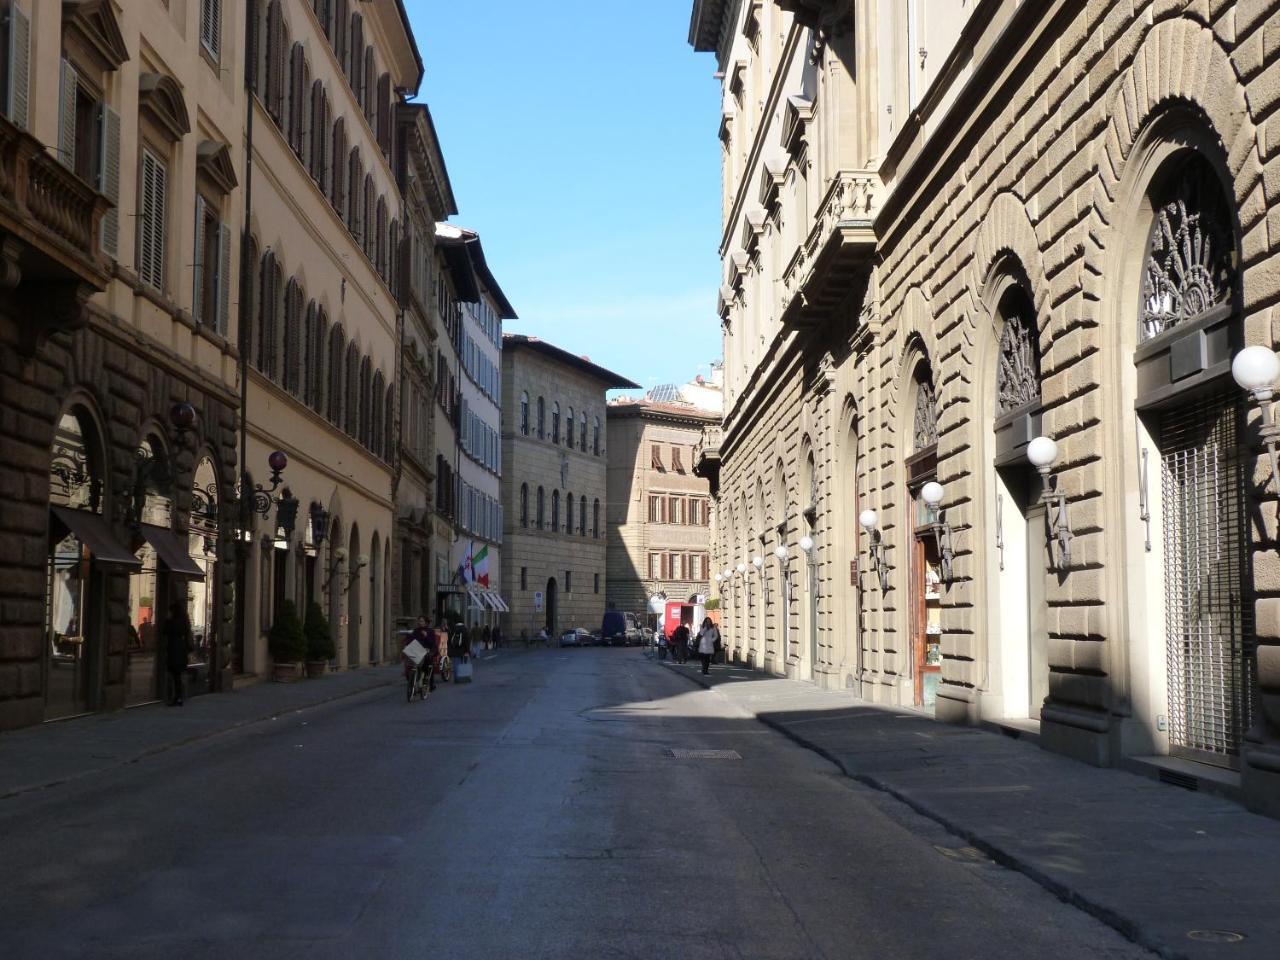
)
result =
(424, 635)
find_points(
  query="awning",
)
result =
(499, 604)
(477, 598)
(171, 551)
(95, 533)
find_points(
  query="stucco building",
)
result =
(554, 491)
(951, 229)
(658, 521)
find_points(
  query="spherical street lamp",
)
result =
(868, 520)
(1256, 370)
(780, 552)
(806, 543)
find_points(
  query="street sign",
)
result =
(537, 601)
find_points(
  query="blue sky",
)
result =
(580, 137)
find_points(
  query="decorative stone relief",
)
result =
(926, 420)
(1018, 373)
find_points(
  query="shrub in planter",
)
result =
(287, 642)
(320, 649)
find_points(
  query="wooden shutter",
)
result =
(197, 298)
(67, 116)
(151, 221)
(211, 25)
(109, 180)
(18, 88)
(223, 314)
(384, 114)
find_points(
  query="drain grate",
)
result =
(1183, 780)
(679, 754)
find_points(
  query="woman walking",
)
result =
(177, 647)
(708, 643)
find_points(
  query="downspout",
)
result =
(243, 321)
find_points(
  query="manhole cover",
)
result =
(704, 754)
(1215, 936)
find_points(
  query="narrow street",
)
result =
(538, 812)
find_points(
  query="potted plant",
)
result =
(287, 643)
(320, 649)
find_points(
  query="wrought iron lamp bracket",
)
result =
(1059, 521)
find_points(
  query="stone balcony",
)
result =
(835, 258)
(706, 457)
(50, 255)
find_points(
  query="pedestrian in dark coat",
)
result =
(681, 638)
(177, 647)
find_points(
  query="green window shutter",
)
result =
(67, 116)
(17, 100)
(109, 180)
(197, 271)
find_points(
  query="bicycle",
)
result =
(414, 685)
(446, 669)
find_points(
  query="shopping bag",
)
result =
(462, 670)
(415, 652)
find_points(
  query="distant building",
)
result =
(659, 516)
(553, 486)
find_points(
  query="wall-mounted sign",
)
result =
(537, 601)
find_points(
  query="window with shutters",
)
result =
(211, 27)
(524, 414)
(542, 418)
(676, 510)
(352, 386)
(595, 437)
(676, 465)
(313, 358)
(291, 373)
(582, 433)
(212, 269)
(380, 238)
(555, 511)
(352, 63)
(152, 198)
(299, 85)
(16, 50)
(355, 184)
(655, 509)
(338, 167)
(555, 422)
(367, 81)
(655, 566)
(274, 62)
(384, 114)
(541, 509)
(568, 428)
(366, 403)
(655, 458)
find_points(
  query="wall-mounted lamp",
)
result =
(1256, 370)
(362, 561)
(757, 561)
(781, 553)
(806, 544)
(719, 577)
(932, 493)
(870, 522)
(742, 569)
(1043, 454)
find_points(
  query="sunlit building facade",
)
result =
(951, 230)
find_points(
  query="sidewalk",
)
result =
(43, 756)
(1178, 872)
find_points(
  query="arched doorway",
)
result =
(1191, 669)
(150, 585)
(75, 596)
(551, 607)
(351, 584)
(924, 561)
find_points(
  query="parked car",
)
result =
(633, 633)
(577, 637)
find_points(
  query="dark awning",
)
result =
(171, 551)
(95, 533)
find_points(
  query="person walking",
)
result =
(681, 638)
(708, 644)
(177, 647)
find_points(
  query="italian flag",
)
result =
(480, 566)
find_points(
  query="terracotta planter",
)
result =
(286, 672)
(317, 668)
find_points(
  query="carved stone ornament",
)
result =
(1189, 267)
(161, 98)
(926, 419)
(1018, 373)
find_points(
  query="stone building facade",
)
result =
(554, 492)
(950, 230)
(322, 338)
(424, 184)
(118, 443)
(658, 521)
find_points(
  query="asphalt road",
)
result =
(537, 813)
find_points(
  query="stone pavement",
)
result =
(1184, 874)
(36, 757)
